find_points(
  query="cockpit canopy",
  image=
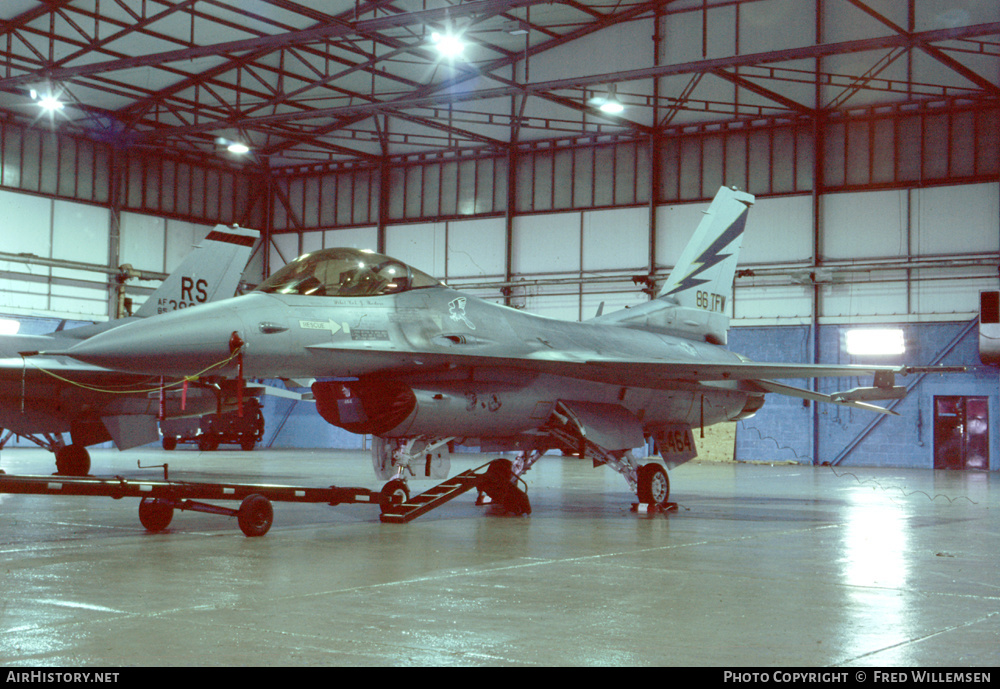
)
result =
(346, 273)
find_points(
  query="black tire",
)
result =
(255, 515)
(500, 472)
(208, 442)
(73, 460)
(155, 514)
(500, 483)
(247, 443)
(169, 442)
(516, 501)
(654, 485)
(393, 494)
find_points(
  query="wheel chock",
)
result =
(652, 508)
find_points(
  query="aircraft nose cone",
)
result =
(181, 343)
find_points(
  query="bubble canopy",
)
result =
(345, 273)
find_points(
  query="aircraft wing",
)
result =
(588, 366)
(656, 374)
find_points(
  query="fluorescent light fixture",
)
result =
(515, 28)
(875, 342)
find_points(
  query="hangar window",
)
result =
(346, 273)
(875, 342)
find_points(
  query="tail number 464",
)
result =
(678, 442)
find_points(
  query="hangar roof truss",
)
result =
(347, 81)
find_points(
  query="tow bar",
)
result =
(159, 499)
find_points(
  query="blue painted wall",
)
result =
(297, 424)
(784, 428)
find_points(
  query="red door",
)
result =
(961, 433)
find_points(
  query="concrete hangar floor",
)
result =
(761, 565)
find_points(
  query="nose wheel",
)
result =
(393, 494)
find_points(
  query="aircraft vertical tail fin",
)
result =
(703, 276)
(211, 271)
(697, 297)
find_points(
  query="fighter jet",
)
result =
(42, 397)
(397, 354)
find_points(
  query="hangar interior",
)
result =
(557, 163)
(868, 131)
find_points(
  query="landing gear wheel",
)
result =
(393, 494)
(73, 460)
(155, 514)
(500, 483)
(208, 442)
(255, 515)
(654, 485)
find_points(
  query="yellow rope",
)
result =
(112, 391)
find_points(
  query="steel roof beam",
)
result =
(632, 13)
(933, 51)
(712, 64)
(333, 28)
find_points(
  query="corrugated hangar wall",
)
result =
(882, 217)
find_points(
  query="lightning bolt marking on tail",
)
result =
(711, 256)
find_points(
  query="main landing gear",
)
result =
(71, 460)
(653, 489)
(500, 484)
(653, 485)
(649, 481)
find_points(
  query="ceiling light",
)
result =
(875, 342)
(234, 147)
(515, 28)
(608, 103)
(50, 103)
(448, 44)
(46, 100)
(611, 105)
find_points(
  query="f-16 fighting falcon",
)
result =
(43, 397)
(395, 353)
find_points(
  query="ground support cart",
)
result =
(159, 499)
(245, 429)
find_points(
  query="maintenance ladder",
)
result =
(497, 481)
(434, 497)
